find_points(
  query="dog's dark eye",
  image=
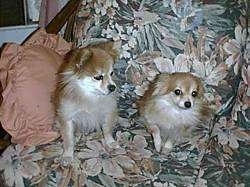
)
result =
(100, 77)
(177, 92)
(194, 93)
(111, 73)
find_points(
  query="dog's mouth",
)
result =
(184, 108)
(102, 92)
(110, 89)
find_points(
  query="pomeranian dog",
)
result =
(84, 97)
(172, 103)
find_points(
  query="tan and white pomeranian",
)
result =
(84, 98)
(172, 103)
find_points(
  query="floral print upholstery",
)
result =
(210, 39)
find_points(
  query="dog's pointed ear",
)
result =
(82, 55)
(159, 89)
(113, 48)
(160, 86)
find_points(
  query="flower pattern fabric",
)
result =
(210, 39)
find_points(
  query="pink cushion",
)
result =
(27, 74)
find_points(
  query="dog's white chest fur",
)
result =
(167, 116)
(91, 113)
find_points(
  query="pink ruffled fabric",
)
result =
(27, 74)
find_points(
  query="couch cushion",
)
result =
(27, 74)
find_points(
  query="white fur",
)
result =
(168, 145)
(94, 108)
(93, 87)
(90, 115)
(163, 112)
(166, 120)
(172, 106)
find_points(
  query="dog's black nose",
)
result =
(187, 104)
(111, 87)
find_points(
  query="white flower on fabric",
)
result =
(166, 3)
(135, 147)
(98, 156)
(119, 28)
(144, 17)
(132, 42)
(107, 4)
(131, 34)
(116, 32)
(111, 13)
(246, 78)
(181, 8)
(233, 48)
(159, 184)
(107, 32)
(100, 9)
(130, 30)
(247, 51)
(97, 19)
(228, 133)
(242, 103)
(111, 33)
(110, 3)
(189, 17)
(18, 163)
(181, 64)
(125, 53)
(211, 72)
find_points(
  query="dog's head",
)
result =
(93, 67)
(183, 89)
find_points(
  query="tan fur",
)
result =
(82, 102)
(166, 113)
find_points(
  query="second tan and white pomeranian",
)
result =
(172, 103)
(84, 98)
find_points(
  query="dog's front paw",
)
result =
(155, 132)
(168, 147)
(157, 142)
(111, 143)
(66, 160)
(157, 145)
(114, 145)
